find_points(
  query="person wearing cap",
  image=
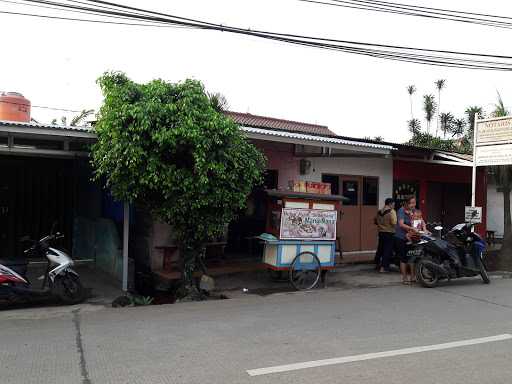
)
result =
(386, 223)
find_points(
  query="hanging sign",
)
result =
(493, 141)
(308, 224)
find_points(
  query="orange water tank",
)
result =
(14, 107)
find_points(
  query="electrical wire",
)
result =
(80, 12)
(411, 10)
(41, 107)
(391, 52)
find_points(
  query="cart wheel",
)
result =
(305, 271)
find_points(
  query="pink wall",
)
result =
(280, 157)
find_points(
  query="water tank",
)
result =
(14, 107)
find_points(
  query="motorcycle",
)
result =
(458, 254)
(59, 280)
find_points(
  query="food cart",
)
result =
(301, 236)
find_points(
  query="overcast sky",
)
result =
(55, 63)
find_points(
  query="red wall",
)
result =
(424, 172)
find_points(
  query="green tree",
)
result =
(429, 106)
(440, 84)
(411, 89)
(458, 128)
(167, 146)
(447, 121)
(414, 126)
(502, 176)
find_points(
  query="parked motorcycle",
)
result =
(59, 280)
(458, 254)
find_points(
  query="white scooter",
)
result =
(59, 280)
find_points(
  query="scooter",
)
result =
(458, 254)
(59, 280)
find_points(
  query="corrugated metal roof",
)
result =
(321, 139)
(6, 123)
(249, 120)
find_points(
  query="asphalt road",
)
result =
(220, 341)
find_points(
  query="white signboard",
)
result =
(500, 154)
(308, 224)
(494, 131)
(473, 215)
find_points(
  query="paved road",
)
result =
(217, 342)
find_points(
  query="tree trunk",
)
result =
(505, 254)
(190, 255)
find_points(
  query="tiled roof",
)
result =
(249, 120)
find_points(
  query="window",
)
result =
(270, 179)
(370, 191)
(334, 181)
(350, 191)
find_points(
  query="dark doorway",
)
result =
(35, 193)
(446, 201)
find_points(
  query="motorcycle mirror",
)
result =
(438, 228)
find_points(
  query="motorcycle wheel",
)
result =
(484, 274)
(69, 289)
(425, 275)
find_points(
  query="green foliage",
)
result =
(440, 84)
(426, 140)
(447, 122)
(429, 106)
(411, 89)
(499, 108)
(140, 300)
(81, 117)
(414, 126)
(166, 145)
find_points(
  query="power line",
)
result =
(411, 10)
(390, 52)
(90, 20)
(77, 11)
(41, 107)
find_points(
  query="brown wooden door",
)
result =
(350, 220)
(369, 208)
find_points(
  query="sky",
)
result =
(56, 63)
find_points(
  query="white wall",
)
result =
(494, 210)
(378, 167)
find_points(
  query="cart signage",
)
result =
(308, 224)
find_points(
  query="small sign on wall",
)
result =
(473, 215)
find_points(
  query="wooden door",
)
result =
(350, 220)
(369, 208)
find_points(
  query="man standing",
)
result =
(386, 223)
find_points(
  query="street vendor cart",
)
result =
(301, 236)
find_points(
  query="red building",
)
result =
(441, 181)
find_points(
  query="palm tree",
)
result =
(447, 120)
(75, 120)
(472, 113)
(414, 126)
(458, 127)
(429, 106)
(502, 176)
(219, 101)
(499, 108)
(410, 90)
(440, 84)
(81, 117)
